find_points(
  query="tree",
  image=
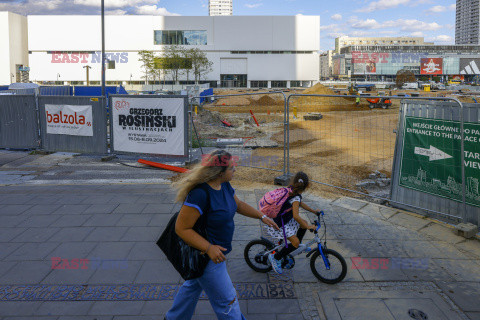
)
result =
(404, 76)
(174, 61)
(200, 63)
(147, 59)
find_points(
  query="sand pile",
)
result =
(266, 100)
(320, 89)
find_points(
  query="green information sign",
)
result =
(431, 158)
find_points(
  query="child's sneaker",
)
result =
(276, 264)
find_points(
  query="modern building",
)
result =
(246, 51)
(467, 22)
(13, 48)
(382, 63)
(346, 41)
(220, 7)
(326, 65)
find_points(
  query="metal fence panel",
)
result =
(56, 91)
(404, 197)
(18, 122)
(70, 143)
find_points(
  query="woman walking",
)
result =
(206, 190)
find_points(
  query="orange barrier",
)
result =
(251, 112)
(163, 166)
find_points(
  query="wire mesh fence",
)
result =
(340, 141)
(250, 126)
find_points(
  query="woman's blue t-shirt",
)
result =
(220, 225)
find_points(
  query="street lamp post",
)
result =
(103, 48)
(87, 68)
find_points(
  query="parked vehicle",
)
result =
(410, 85)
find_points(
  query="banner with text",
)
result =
(69, 120)
(149, 125)
(431, 158)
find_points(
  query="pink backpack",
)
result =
(272, 202)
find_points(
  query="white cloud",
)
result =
(383, 4)
(116, 12)
(366, 24)
(153, 10)
(452, 7)
(253, 5)
(336, 17)
(442, 38)
(412, 25)
(357, 33)
(400, 24)
(329, 27)
(417, 34)
(335, 35)
(436, 9)
(115, 3)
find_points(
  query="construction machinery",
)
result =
(383, 103)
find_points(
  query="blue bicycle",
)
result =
(326, 264)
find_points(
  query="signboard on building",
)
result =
(431, 158)
(431, 66)
(149, 125)
(469, 66)
(69, 120)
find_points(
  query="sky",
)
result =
(432, 19)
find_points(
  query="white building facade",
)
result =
(467, 22)
(13, 48)
(220, 7)
(246, 51)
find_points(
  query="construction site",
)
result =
(337, 141)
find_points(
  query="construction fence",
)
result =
(415, 153)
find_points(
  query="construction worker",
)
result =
(357, 100)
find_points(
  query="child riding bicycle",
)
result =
(293, 226)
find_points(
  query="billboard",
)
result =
(149, 125)
(69, 120)
(469, 66)
(431, 66)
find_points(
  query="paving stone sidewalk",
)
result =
(127, 277)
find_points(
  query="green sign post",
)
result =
(431, 158)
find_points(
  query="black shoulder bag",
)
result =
(188, 261)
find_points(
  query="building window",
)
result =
(180, 37)
(295, 84)
(233, 80)
(259, 84)
(279, 84)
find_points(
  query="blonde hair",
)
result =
(210, 168)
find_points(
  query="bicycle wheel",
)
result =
(255, 257)
(338, 266)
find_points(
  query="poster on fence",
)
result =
(69, 120)
(431, 159)
(149, 125)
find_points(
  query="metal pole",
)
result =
(103, 48)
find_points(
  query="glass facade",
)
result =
(180, 37)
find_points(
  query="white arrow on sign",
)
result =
(433, 153)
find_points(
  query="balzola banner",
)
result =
(149, 125)
(69, 120)
(431, 66)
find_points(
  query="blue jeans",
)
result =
(219, 289)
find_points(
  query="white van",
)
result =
(410, 85)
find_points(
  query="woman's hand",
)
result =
(311, 227)
(215, 253)
(269, 222)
